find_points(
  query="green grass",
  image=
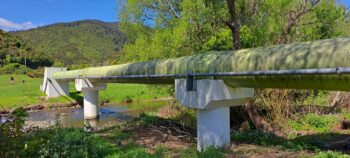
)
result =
(119, 92)
(19, 94)
(314, 122)
(133, 150)
(313, 142)
(331, 154)
(130, 149)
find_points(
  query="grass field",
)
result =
(28, 93)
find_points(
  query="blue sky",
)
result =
(25, 14)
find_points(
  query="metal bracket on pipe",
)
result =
(191, 84)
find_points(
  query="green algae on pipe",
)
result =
(330, 53)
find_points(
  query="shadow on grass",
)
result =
(77, 97)
(125, 137)
(312, 142)
(145, 121)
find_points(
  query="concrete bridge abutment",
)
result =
(212, 99)
(91, 96)
(54, 88)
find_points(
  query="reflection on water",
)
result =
(2, 119)
(74, 117)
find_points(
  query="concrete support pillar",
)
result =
(54, 88)
(212, 99)
(91, 104)
(91, 98)
(213, 128)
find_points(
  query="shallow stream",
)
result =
(110, 114)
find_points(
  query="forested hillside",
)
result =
(15, 53)
(88, 42)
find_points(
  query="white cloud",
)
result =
(12, 26)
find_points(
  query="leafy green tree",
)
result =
(162, 29)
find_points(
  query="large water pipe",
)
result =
(291, 58)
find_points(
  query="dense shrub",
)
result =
(73, 143)
(318, 121)
(51, 142)
(12, 140)
(37, 73)
(13, 68)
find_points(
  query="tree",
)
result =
(162, 29)
(236, 14)
(294, 16)
(163, 33)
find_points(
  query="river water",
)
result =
(74, 117)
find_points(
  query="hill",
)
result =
(89, 42)
(15, 53)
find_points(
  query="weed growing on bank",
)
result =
(56, 141)
(314, 122)
(331, 154)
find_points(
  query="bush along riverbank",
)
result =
(118, 141)
(166, 132)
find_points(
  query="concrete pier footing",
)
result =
(91, 96)
(213, 127)
(212, 99)
(54, 88)
(90, 124)
(91, 104)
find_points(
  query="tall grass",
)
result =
(277, 102)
